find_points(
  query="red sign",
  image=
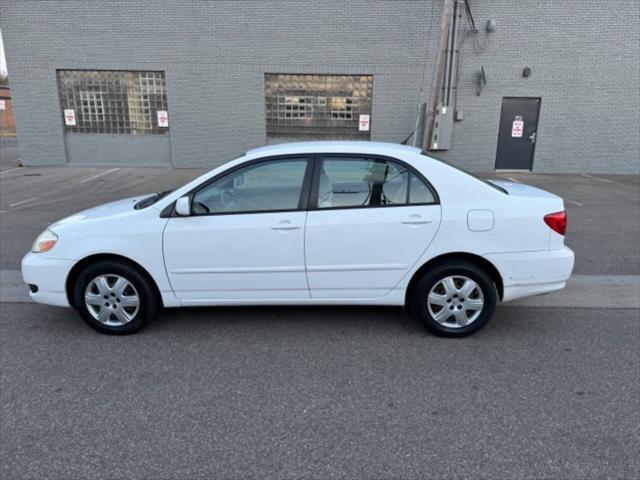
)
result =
(70, 117)
(163, 118)
(363, 123)
(516, 128)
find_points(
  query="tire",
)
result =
(105, 295)
(454, 299)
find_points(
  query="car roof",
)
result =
(333, 147)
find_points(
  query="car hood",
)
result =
(101, 211)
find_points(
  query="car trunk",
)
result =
(539, 203)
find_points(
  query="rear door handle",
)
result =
(285, 225)
(416, 219)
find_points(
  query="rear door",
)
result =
(369, 221)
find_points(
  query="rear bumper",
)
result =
(533, 273)
(49, 275)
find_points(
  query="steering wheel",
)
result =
(226, 199)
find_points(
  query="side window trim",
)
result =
(315, 185)
(302, 199)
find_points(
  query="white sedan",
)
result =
(340, 223)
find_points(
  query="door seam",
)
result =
(304, 252)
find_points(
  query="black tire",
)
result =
(422, 289)
(140, 286)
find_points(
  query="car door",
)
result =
(369, 221)
(244, 239)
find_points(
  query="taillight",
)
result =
(557, 221)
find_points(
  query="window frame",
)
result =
(302, 199)
(308, 199)
(319, 121)
(129, 101)
(312, 204)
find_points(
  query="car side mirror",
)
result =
(183, 206)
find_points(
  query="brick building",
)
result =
(7, 120)
(191, 83)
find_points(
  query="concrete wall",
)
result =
(584, 56)
(102, 149)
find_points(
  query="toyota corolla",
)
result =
(314, 223)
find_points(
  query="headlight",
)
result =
(45, 242)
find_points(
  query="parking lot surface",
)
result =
(551, 390)
(320, 393)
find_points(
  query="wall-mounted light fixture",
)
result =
(491, 26)
(526, 72)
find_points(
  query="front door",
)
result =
(245, 237)
(517, 135)
(369, 222)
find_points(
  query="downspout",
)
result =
(442, 126)
(454, 53)
(447, 62)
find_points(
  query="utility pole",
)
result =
(2, 113)
(447, 15)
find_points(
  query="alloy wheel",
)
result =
(112, 300)
(455, 301)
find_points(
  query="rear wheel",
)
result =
(114, 297)
(454, 299)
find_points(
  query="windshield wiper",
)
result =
(150, 200)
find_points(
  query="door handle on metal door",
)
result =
(533, 137)
(285, 225)
(416, 219)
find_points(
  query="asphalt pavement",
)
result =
(549, 389)
(320, 393)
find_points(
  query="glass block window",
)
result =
(92, 107)
(342, 107)
(317, 106)
(295, 107)
(115, 102)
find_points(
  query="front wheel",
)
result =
(454, 300)
(113, 297)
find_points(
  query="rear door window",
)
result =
(351, 182)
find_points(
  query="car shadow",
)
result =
(318, 318)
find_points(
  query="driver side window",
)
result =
(262, 187)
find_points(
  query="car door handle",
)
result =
(285, 225)
(416, 219)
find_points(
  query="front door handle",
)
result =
(533, 137)
(416, 219)
(285, 225)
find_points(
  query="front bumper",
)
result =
(525, 274)
(49, 275)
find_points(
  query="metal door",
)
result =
(517, 135)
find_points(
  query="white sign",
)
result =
(163, 118)
(517, 127)
(70, 117)
(363, 123)
(2, 105)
